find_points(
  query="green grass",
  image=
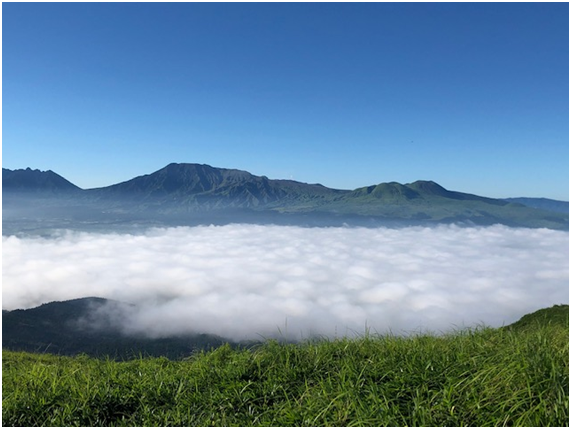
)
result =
(481, 377)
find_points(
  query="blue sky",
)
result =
(472, 96)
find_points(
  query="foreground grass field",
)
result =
(516, 376)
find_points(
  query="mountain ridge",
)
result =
(422, 186)
(184, 190)
(28, 180)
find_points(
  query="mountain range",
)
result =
(192, 194)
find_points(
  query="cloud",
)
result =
(247, 281)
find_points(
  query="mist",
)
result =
(252, 281)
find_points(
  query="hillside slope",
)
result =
(483, 377)
(542, 203)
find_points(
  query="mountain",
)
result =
(208, 187)
(37, 181)
(542, 203)
(192, 194)
(88, 325)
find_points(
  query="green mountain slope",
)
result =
(542, 203)
(429, 202)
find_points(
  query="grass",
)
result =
(481, 377)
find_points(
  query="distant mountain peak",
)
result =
(428, 187)
(28, 180)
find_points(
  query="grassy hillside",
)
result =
(556, 316)
(484, 377)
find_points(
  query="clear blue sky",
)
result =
(472, 96)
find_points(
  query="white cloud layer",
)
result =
(243, 281)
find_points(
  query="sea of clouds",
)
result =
(252, 281)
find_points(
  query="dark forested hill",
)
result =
(76, 326)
